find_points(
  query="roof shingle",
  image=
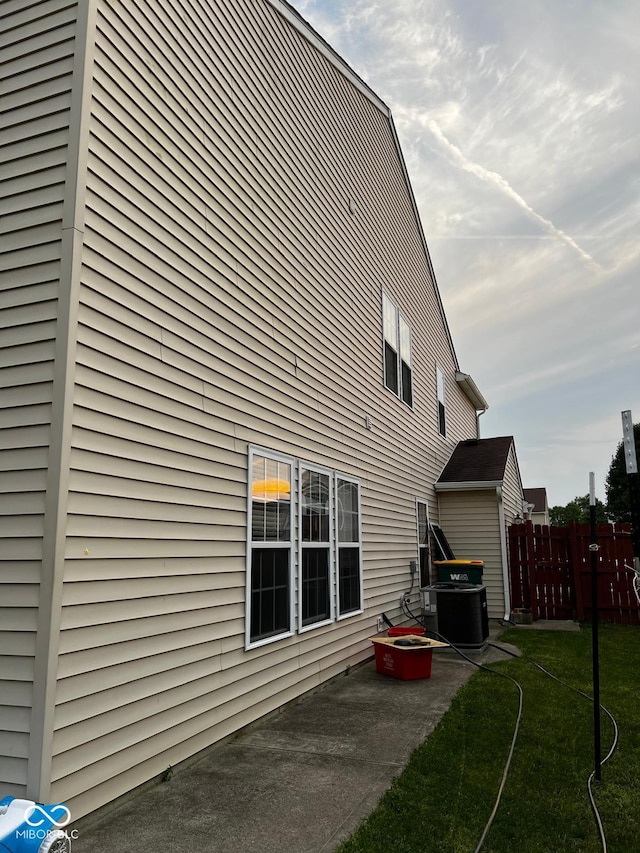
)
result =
(478, 460)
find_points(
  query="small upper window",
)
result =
(397, 351)
(442, 413)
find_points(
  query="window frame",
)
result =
(302, 545)
(398, 338)
(295, 546)
(424, 553)
(276, 544)
(355, 481)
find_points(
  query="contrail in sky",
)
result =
(505, 188)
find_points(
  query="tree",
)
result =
(577, 510)
(617, 484)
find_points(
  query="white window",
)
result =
(270, 547)
(442, 412)
(316, 536)
(422, 513)
(349, 546)
(325, 547)
(397, 351)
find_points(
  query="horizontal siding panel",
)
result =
(190, 518)
(14, 719)
(21, 549)
(28, 415)
(94, 636)
(93, 591)
(19, 595)
(16, 668)
(23, 481)
(37, 282)
(18, 644)
(13, 744)
(130, 657)
(36, 435)
(139, 463)
(17, 619)
(27, 363)
(159, 605)
(131, 549)
(24, 459)
(101, 679)
(14, 773)
(153, 499)
(16, 693)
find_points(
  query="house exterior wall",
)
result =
(471, 522)
(229, 296)
(39, 43)
(513, 494)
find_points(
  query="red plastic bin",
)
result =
(403, 662)
(405, 632)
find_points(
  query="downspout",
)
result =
(478, 416)
(503, 551)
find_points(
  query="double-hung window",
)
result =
(442, 412)
(270, 547)
(422, 512)
(348, 546)
(397, 351)
(316, 529)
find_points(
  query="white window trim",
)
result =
(308, 466)
(399, 315)
(278, 457)
(422, 501)
(341, 616)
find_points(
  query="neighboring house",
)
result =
(536, 506)
(228, 382)
(480, 494)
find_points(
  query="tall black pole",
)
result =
(593, 548)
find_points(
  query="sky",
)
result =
(519, 122)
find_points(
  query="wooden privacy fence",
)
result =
(551, 572)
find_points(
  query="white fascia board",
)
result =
(468, 486)
(471, 391)
(305, 29)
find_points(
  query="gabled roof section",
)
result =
(537, 497)
(477, 461)
(305, 29)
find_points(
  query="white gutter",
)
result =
(503, 551)
(471, 391)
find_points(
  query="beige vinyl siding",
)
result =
(37, 44)
(471, 522)
(512, 488)
(229, 297)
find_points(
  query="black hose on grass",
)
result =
(594, 808)
(516, 730)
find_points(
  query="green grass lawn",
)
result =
(442, 801)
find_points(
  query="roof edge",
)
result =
(471, 391)
(468, 486)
